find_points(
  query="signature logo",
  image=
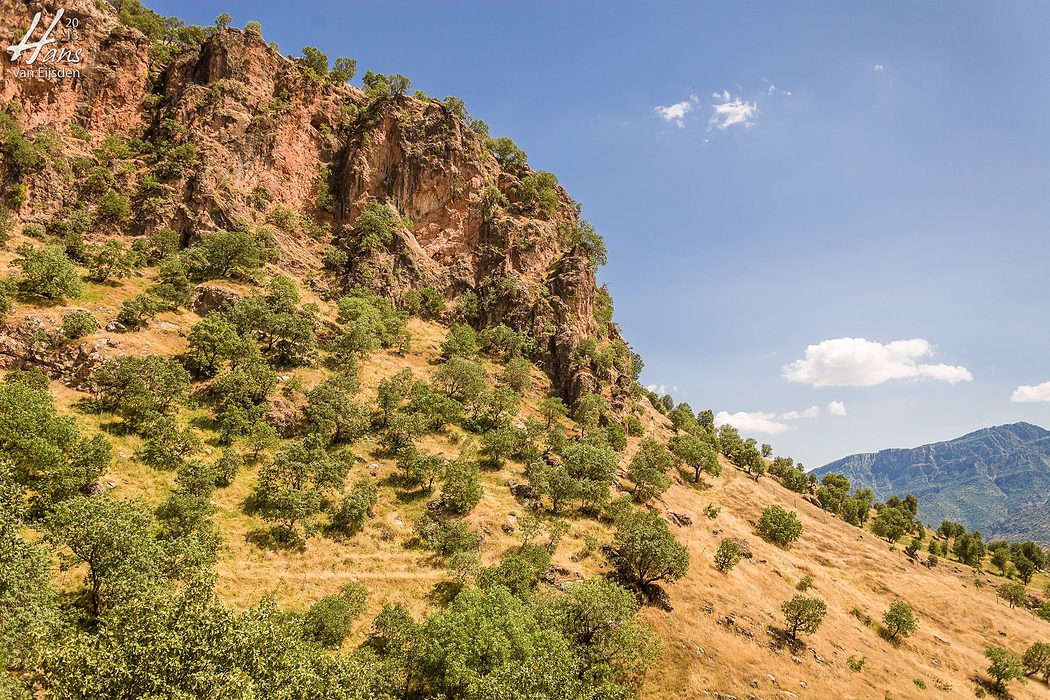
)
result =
(47, 49)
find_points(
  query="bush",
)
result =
(1005, 666)
(374, 226)
(648, 470)
(222, 254)
(779, 526)
(227, 467)
(803, 614)
(805, 583)
(517, 374)
(330, 620)
(727, 556)
(48, 272)
(646, 551)
(900, 620)
(538, 195)
(77, 324)
(462, 488)
(461, 341)
(114, 208)
(355, 508)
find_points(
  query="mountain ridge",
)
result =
(993, 479)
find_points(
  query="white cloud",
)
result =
(879, 68)
(860, 362)
(661, 388)
(836, 408)
(811, 412)
(760, 422)
(1030, 394)
(677, 112)
(731, 111)
(752, 422)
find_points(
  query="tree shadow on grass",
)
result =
(274, 538)
(444, 592)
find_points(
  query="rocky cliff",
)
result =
(227, 133)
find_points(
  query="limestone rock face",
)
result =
(261, 139)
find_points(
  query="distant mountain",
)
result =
(995, 480)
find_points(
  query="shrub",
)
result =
(461, 341)
(77, 324)
(374, 226)
(1005, 666)
(517, 374)
(805, 583)
(227, 254)
(330, 620)
(803, 614)
(508, 155)
(114, 208)
(462, 488)
(649, 469)
(779, 526)
(647, 551)
(1013, 593)
(537, 193)
(355, 507)
(227, 467)
(48, 272)
(900, 620)
(728, 555)
(112, 259)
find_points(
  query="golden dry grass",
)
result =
(851, 568)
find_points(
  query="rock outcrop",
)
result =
(230, 133)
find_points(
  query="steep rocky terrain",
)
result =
(336, 189)
(996, 480)
(234, 134)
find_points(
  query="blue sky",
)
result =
(820, 171)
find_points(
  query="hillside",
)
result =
(996, 480)
(309, 391)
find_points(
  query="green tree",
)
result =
(46, 452)
(891, 523)
(779, 526)
(330, 620)
(47, 272)
(460, 379)
(355, 507)
(1036, 660)
(462, 488)
(110, 260)
(803, 614)
(222, 254)
(344, 71)
(899, 620)
(213, 340)
(1013, 593)
(1004, 667)
(461, 341)
(553, 409)
(698, 454)
(649, 469)
(115, 539)
(290, 489)
(646, 551)
(517, 374)
(374, 227)
(77, 324)
(728, 555)
(315, 61)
